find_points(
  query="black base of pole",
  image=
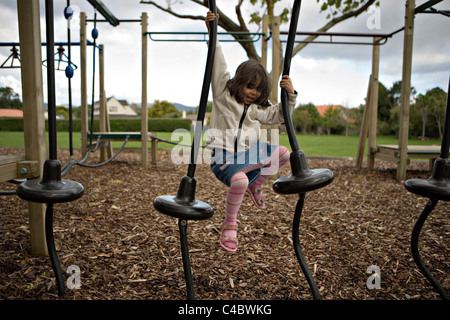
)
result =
(182, 225)
(302, 178)
(415, 249)
(50, 189)
(184, 205)
(298, 249)
(437, 186)
(52, 250)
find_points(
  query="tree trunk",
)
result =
(438, 120)
(424, 121)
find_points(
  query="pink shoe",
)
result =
(257, 196)
(225, 241)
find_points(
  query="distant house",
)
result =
(193, 118)
(11, 113)
(324, 108)
(116, 109)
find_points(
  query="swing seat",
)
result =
(183, 205)
(437, 186)
(50, 189)
(302, 178)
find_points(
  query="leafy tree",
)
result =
(305, 118)
(385, 103)
(437, 98)
(389, 99)
(422, 105)
(9, 99)
(427, 114)
(395, 93)
(394, 120)
(63, 112)
(355, 115)
(348, 118)
(338, 11)
(302, 120)
(332, 119)
(163, 109)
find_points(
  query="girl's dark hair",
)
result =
(252, 74)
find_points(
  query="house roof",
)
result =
(122, 102)
(11, 113)
(324, 108)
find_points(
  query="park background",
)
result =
(332, 80)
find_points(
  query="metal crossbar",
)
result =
(257, 35)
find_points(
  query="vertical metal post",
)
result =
(94, 46)
(52, 249)
(286, 69)
(205, 91)
(102, 115)
(445, 145)
(69, 56)
(51, 79)
(415, 248)
(83, 77)
(144, 110)
(182, 225)
(298, 249)
(302, 179)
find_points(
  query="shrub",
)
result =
(117, 125)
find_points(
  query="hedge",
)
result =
(117, 125)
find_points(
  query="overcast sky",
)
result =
(322, 74)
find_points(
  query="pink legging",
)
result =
(239, 184)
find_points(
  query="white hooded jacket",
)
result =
(228, 115)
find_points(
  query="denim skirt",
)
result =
(225, 164)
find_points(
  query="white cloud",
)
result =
(429, 62)
(12, 82)
(329, 81)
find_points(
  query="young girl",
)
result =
(239, 160)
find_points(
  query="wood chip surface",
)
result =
(125, 249)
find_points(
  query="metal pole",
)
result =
(91, 130)
(69, 50)
(286, 68)
(415, 248)
(51, 79)
(182, 225)
(446, 135)
(298, 249)
(205, 91)
(52, 250)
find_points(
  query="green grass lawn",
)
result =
(314, 145)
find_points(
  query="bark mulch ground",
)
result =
(125, 249)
